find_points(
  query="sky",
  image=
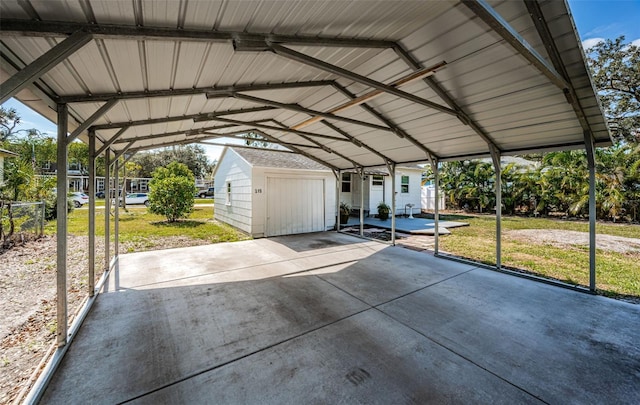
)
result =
(595, 20)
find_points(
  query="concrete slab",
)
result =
(329, 318)
(419, 226)
(563, 346)
(138, 340)
(367, 358)
(390, 274)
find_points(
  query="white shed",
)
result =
(267, 192)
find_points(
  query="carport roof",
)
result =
(349, 84)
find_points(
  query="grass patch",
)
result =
(616, 273)
(140, 227)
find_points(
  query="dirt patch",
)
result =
(28, 304)
(560, 238)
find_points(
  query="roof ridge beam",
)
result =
(396, 129)
(356, 141)
(327, 67)
(355, 101)
(284, 128)
(270, 140)
(325, 147)
(301, 109)
(42, 64)
(494, 20)
(114, 125)
(174, 133)
(191, 91)
(295, 148)
(111, 31)
(179, 142)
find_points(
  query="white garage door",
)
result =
(294, 206)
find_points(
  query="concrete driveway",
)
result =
(329, 318)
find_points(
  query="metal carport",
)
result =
(350, 84)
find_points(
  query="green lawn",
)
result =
(140, 230)
(616, 273)
(100, 201)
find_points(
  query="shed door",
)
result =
(294, 206)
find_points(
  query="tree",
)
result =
(616, 72)
(9, 120)
(193, 156)
(172, 191)
(255, 140)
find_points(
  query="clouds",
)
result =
(591, 42)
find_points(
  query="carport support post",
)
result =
(495, 156)
(591, 162)
(116, 218)
(338, 175)
(436, 204)
(61, 232)
(361, 171)
(392, 171)
(92, 212)
(107, 209)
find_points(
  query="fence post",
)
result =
(43, 217)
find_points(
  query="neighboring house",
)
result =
(3, 154)
(267, 192)
(377, 188)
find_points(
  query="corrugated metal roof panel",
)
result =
(498, 88)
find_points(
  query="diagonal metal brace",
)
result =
(43, 64)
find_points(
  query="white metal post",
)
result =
(436, 211)
(92, 212)
(591, 162)
(361, 171)
(495, 156)
(391, 167)
(61, 232)
(116, 218)
(338, 175)
(107, 209)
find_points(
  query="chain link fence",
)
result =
(20, 221)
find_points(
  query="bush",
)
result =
(172, 191)
(51, 206)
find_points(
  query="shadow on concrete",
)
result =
(346, 323)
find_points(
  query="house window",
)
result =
(404, 184)
(377, 180)
(228, 193)
(346, 182)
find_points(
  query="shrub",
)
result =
(172, 191)
(51, 206)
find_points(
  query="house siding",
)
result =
(237, 213)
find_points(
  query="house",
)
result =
(3, 154)
(267, 192)
(377, 188)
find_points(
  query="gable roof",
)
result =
(348, 83)
(277, 159)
